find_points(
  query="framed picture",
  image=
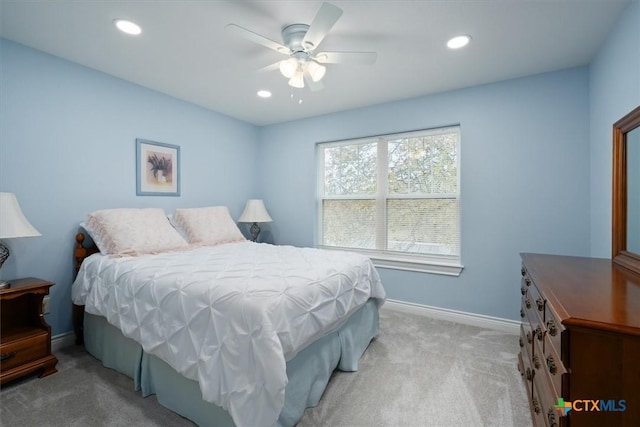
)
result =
(157, 169)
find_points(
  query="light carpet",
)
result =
(418, 372)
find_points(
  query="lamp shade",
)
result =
(316, 70)
(254, 211)
(297, 80)
(288, 67)
(12, 221)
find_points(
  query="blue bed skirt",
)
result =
(308, 373)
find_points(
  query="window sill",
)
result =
(408, 263)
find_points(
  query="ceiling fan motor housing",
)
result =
(293, 35)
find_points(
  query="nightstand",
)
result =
(25, 337)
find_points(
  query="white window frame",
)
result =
(438, 264)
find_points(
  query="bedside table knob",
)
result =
(7, 356)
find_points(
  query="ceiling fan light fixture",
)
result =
(316, 71)
(297, 80)
(288, 67)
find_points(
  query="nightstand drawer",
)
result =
(17, 352)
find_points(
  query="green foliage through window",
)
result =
(394, 193)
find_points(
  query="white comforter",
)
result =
(229, 316)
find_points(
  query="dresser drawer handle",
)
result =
(551, 416)
(523, 271)
(521, 313)
(529, 337)
(540, 304)
(551, 327)
(523, 290)
(527, 282)
(538, 332)
(529, 374)
(527, 302)
(551, 364)
(520, 341)
(536, 362)
(536, 405)
(7, 356)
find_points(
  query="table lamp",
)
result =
(255, 212)
(13, 224)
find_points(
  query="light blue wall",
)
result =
(536, 164)
(524, 180)
(614, 92)
(67, 147)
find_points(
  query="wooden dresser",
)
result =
(580, 341)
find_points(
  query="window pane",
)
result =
(349, 223)
(424, 164)
(350, 169)
(425, 226)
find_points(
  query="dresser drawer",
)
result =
(548, 399)
(17, 352)
(527, 370)
(554, 328)
(536, 405)
(553, 368)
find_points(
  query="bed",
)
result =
(222, 330)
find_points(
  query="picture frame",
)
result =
(157, 168)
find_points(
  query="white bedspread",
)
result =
(229, 316)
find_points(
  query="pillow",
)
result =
(95, 236)
(133, 232)
(207, 226)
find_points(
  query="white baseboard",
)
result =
(62, 341)
(487, 322)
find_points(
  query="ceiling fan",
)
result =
(299, 42)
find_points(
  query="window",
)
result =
(394, 197)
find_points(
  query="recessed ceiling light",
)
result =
(127, 26)
(264, 94)
(458, 42)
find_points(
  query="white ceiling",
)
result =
(185, 52)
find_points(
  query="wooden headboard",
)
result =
(80, 253)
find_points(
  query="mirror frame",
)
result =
(620, 255)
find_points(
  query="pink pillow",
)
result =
(134, 232)
(207, 226)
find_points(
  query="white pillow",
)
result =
(95, 236)
(133, 232)
(207, 226)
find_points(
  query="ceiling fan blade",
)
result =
(272, 67)
(314, 86)
(324, 20)
(256, 38)
(364, 58)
